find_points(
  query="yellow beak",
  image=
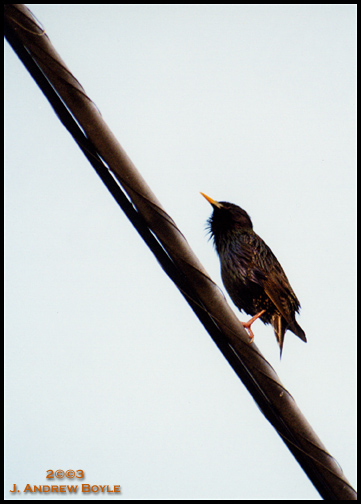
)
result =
(212, 201)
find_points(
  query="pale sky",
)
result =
(107, 368)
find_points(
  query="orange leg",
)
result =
(247, 325)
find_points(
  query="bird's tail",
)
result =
(280, 326)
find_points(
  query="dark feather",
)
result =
(251, 272)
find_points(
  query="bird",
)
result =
(251, 273)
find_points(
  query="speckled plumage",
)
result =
(251, 273)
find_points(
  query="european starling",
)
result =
(251, 273)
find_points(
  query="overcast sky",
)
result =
(107, 368)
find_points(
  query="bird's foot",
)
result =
(247, 325)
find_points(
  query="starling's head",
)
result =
(226, 218)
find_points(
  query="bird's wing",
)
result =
(267, 272)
